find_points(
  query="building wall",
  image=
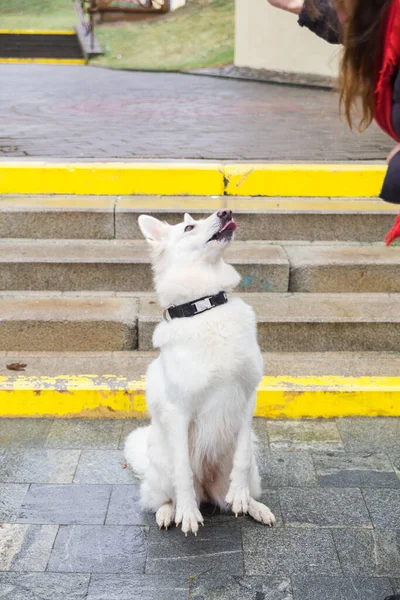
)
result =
(268, 38)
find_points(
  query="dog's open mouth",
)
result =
(225, 233)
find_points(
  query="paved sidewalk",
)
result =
(68, 112)
(72, 528)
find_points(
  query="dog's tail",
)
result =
(136, 450)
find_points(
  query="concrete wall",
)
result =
(268, 38)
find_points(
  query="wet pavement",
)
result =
(78, 112)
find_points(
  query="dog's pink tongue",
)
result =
(231, 225)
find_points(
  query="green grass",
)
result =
(37, 14)
(201, 34)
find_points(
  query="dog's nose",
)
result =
(225, 214)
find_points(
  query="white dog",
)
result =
(201, 389)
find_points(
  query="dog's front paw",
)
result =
(165, 515)
(190, 517)
(238, 500)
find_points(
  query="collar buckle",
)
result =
(202, 305)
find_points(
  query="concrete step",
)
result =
(112, 384)
(286, 322)
(52, 217)
(99, 265)
(87, 217)
(53, 323)
(122, 265)
(311, 322)
(39, 44)
(133, 365)
(331, 269)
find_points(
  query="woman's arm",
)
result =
(325, 24)
(293, 6)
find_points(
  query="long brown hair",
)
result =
(361, 39)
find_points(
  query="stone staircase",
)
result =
(75, 278)
(25, 45)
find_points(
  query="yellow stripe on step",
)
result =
(43, 61)
(191, 178)
(340, 180)
(111, 178)
(277, 397)
(37, 32)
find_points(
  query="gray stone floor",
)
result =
(67, 112)
(72, 528)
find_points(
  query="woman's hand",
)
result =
(395, 150)
(293, 6)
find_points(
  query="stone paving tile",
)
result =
(25, 547)
(304, 435)
(128, 425)
(138, 587)
(99, 549)
(286, 469)
(170, 552)
(43, 586)
(395, 460)
(340, 588)
(361, 551)
(2, 453)
(65, 504)
(124, 508)
(384, 507)
(324, 507)
(366, 434)
(11, 498)
(39, 466)
(103, 466)
(396, 585)
(217, 586)
(287, 551)
(23, 433)
(341, 469)
(84, 433)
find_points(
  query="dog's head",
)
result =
(189, 253)
(191, 240)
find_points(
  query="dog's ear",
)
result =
(187, 219)
(153, 229)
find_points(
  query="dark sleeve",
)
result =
(325, 25)
(391, 185)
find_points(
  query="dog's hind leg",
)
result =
(260, 512)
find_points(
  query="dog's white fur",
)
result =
(201, 389)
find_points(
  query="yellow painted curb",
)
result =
(317, 180)
(113, 178)
(37, 31)
(192, 178)
(44, 61)
(277, 397)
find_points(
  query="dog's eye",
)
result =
(189, 228)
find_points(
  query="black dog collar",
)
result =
(190, 309)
